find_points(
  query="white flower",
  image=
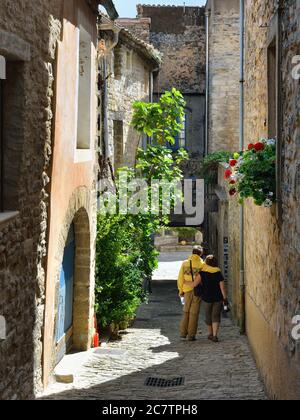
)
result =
(271, 142)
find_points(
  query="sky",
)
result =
(127, 8)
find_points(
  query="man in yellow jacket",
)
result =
(191, 310)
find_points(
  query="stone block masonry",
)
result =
(224, 76)
(179, 34)
(30, 55)
(272, 246)
(46, 187)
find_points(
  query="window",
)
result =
(272, 90)
(84, 90)
(118, 144)
(180, 139)
(11, 133)
(274, 101)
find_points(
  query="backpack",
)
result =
(198, 291)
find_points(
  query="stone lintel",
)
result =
(14, 48)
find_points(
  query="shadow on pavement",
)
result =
(153, 348)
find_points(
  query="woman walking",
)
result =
(211, 285)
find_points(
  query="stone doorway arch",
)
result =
(82, 282)
(80, 216)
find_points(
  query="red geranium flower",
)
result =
(259, 146)
(251, 146)
(232, 182)
(233, 192)
(228, 173)
(233, 162)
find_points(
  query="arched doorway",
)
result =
(64, 326)
(73, 302)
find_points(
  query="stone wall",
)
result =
(223, 134)
(179, 34)
(28, 33)
(225, 227)
(224, 72)
(273, 248)
(138, 27)
(271, 245)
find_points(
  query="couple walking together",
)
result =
(199, 281)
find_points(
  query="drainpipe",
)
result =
(206, 140)
(242, 145)
(151, 88)
(151, 91)
(2, 78)
(104, 109)
(107, 25)
(207, 15)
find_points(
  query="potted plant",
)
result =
(252, 173)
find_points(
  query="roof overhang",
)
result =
(148, 52)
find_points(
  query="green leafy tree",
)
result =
(161, 120)
(126, 255)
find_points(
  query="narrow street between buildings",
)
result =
(152, 348)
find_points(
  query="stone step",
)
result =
(65, 372)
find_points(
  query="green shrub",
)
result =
(210, 165)
(125, 257)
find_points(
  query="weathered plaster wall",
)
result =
(31, 30)
(73, 186)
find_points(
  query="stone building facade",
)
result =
(179, 34)
(223, 75)
(48, 184)
(271, 243)
(223, 25)
(129, 64)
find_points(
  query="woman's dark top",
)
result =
(211, 291)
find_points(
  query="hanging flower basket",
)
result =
(252, 173)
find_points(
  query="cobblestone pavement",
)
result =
(152, 348)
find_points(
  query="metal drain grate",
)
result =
(164, 383)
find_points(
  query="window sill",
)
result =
(6, 217)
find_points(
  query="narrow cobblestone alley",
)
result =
(152, 348)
